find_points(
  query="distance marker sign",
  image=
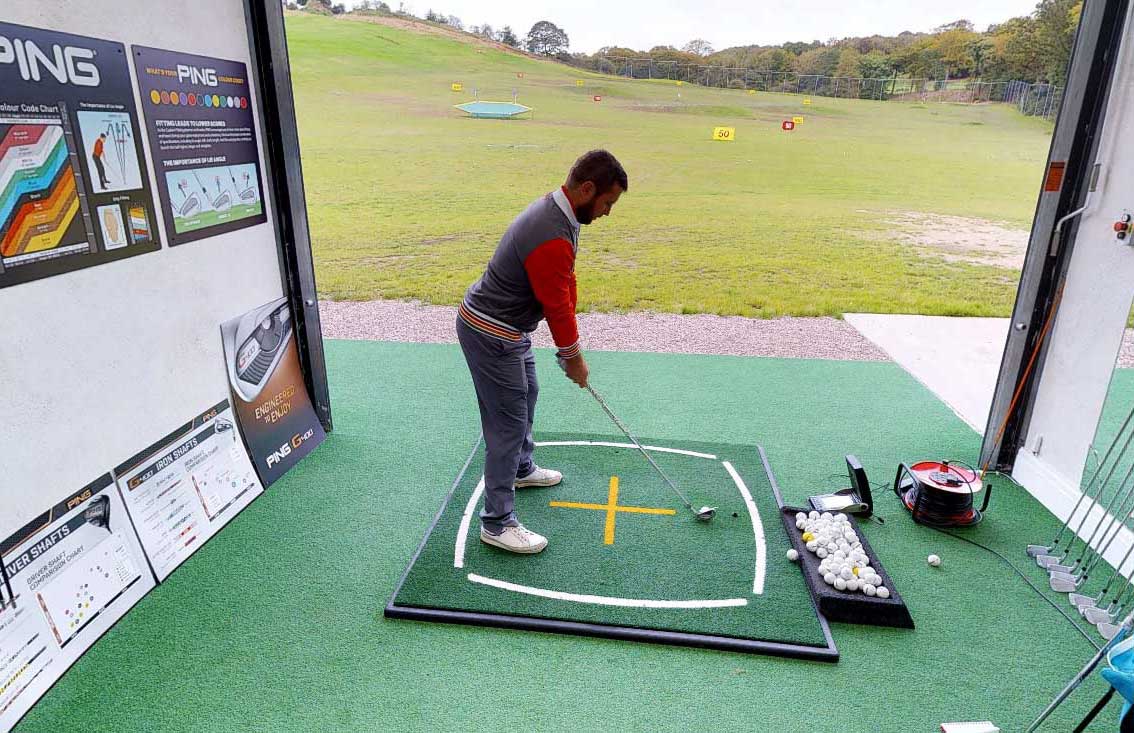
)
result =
(724, 134)
(203, 140)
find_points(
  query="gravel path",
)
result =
(809, 338)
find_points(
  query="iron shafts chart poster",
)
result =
(186, 487)
(199, 119)
(269, 395)
(74, 571)
(73, 187)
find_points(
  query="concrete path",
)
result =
(958, 359)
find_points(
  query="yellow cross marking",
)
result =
(611, 508)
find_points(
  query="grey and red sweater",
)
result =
(531, 276)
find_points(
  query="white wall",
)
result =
(1087, 333)
(99, 363)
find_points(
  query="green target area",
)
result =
(625, 558)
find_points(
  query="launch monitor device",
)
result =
(855, 499)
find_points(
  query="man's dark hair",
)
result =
(600, 167)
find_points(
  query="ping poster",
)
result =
(199, 119)
(74, 570)
(269, 395)
(186, 487)
(73, 185)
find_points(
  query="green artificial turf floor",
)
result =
(729, 575)
(276, 624)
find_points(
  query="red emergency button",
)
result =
(1121, 226)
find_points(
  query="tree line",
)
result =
(1035, 47)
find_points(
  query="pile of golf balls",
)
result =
(842, 562)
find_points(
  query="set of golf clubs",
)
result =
(1075, 553)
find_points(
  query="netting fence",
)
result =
(1039, 99)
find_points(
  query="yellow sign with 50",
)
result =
(457, 86)
(724, 134)
(798, 119)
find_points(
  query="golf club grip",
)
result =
(626, 432)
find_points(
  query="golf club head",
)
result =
(1064, 584)
(1081, 601)
(1037, 550)
(1108, 630)
(1044, 560)
(1069, 577)
(706, 513)
(1097, 616)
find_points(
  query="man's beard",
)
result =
(586, 213)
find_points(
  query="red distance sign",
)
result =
(788, 125)
(598, 97)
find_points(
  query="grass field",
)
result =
(407, 197)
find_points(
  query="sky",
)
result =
(592, 24)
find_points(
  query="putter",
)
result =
(705, 513)
(1037, 550)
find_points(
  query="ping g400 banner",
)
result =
(268, 393)
(73, 185)
(74, 571)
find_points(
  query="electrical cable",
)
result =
(1025, 578)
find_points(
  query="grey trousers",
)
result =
(504, 375)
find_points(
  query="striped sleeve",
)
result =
(551, 272)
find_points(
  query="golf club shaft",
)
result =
(1108, 517)
(1114, 520)
(626, 432)
(1095, 476)
(1083, 521)
(1078, 679)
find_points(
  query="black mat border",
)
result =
(829, 653)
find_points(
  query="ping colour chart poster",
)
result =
(73, 185)
(75, 570)
(199, 118)
(183, 489)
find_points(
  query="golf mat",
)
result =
(625, 558)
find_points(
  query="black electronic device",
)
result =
(856, 499)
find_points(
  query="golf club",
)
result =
(1083, 674)
(1089, 607)
(1049, 560)
(1037, 550)
(1085, 564)
(1063, 578)
(705, 513)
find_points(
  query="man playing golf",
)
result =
(530, 276)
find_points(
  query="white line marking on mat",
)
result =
(604, 600)
(606, 444)
(462, 533)
(757, 528)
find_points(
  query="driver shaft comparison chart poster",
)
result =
(75, 570)
(202, 137)
(73, 188)
(183, 489)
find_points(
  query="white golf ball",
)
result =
(846, 574)
(821, 552)
(869, 589)
(800, 516)
(883, 592)
(792, 555)
(812, 544)
(829, 578)
(933, 560)
(852, 584)
(825, 515)
(840, 584)
(813, 514)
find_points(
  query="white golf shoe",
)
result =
(539, 477)
(516, 539)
